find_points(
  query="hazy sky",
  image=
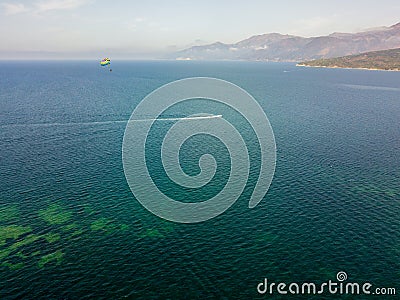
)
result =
(147, 28)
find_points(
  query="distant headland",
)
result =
(388, 60)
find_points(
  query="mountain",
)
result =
(279, 47)
(379, 60)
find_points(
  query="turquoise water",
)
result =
(71, 229)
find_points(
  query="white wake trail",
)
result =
(110, 122)
(179, 119)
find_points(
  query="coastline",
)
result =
(349, 68)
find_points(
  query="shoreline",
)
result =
(349, 68)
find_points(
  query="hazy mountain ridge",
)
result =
(279, 47)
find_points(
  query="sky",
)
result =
(83, 29)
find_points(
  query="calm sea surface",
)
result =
(70, 228)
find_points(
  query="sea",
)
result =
(70, 227)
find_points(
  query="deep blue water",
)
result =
(334, 203)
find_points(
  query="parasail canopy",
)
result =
(105, 62)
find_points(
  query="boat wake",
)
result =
(200, 117)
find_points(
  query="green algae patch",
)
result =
(52, 257)
(55, 214)
(26, 241)
(5, 253)
(151, 233)
(36, 253)
(70, 227)
(161, 230)
(108, 226)
(124, 227)
(101, 224)
(8, 213)
(21, 255)
(52, 237)
(12, 232)
(13, 267)
(13, 247)
(104, 224)
(76, 232)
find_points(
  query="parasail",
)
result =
(104, 62)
